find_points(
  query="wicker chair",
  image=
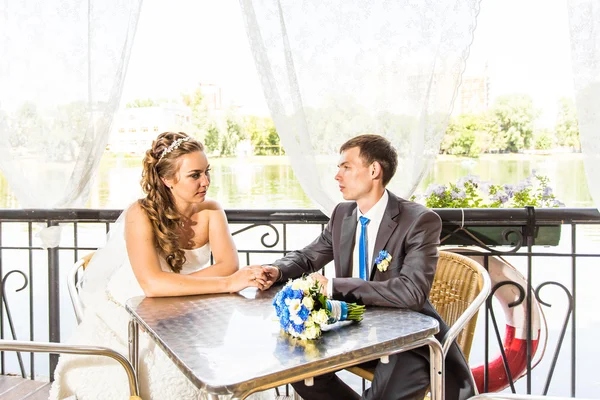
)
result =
(459, 288)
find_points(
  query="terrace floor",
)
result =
(17, 388)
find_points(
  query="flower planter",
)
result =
(503, 236)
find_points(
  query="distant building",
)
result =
(212, 96)
(135, 128)
(473, 94)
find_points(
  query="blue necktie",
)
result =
(363, 253)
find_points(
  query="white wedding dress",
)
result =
(105, 290)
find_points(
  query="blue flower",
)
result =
(382, 254)
(284, 318)
(303, 313)
(298, 328)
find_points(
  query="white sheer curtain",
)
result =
(62, 66)
(331, 70)
(584, 26)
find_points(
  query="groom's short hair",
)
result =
(375, 148)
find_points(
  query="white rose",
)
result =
(320, 317)
(302, 284)
(308, 303)
(312, 331)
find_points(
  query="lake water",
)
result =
(269, 182)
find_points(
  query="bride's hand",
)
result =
(245, 277)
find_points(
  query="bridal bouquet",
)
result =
(303, 310)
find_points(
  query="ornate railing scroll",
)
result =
(492, 315)
(9, 317)
(563, 330)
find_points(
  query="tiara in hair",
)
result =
(173, 146)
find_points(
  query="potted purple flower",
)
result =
(470, 192)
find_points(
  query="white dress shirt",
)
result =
(375, 215)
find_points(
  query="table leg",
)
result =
(134, 345)
(437, 369)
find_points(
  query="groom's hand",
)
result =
(272, 274)
(318, 277)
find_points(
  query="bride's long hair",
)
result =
(159, 203)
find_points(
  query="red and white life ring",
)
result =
(515, 334)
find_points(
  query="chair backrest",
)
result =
(73, 278)
(460, 286)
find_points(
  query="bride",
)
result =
(161, 246)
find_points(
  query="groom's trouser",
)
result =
(406, 376)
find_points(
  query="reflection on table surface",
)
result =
(229, 341)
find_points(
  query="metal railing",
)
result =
(522, 235)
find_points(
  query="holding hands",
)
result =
(271, 274)
(251, 276)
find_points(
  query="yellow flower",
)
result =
(383, 265)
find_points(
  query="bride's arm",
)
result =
(144, 259)
(221, 244)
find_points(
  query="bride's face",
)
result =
(192, 178)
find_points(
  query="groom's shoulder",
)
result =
(344, 208)
(413, 210)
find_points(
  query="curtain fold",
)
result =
(333, 70)
(584, 27)
(62, 67)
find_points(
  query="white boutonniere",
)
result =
(383, 260)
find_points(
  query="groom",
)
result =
(375, 220)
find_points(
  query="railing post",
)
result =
(53, 301)
(530, 240)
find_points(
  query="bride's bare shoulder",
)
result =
(211, 205)
(136, 214)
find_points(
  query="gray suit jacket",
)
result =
(409, 232)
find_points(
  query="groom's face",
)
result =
(354, 177)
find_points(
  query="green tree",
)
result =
(139, 103)
(514, 116)
(212, 138)
(232, 137)
(465, 135)
(272, 137)
(263, 135)
(567, 128)
(543, 139)
(200, 122)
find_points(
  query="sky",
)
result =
(179, 43)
